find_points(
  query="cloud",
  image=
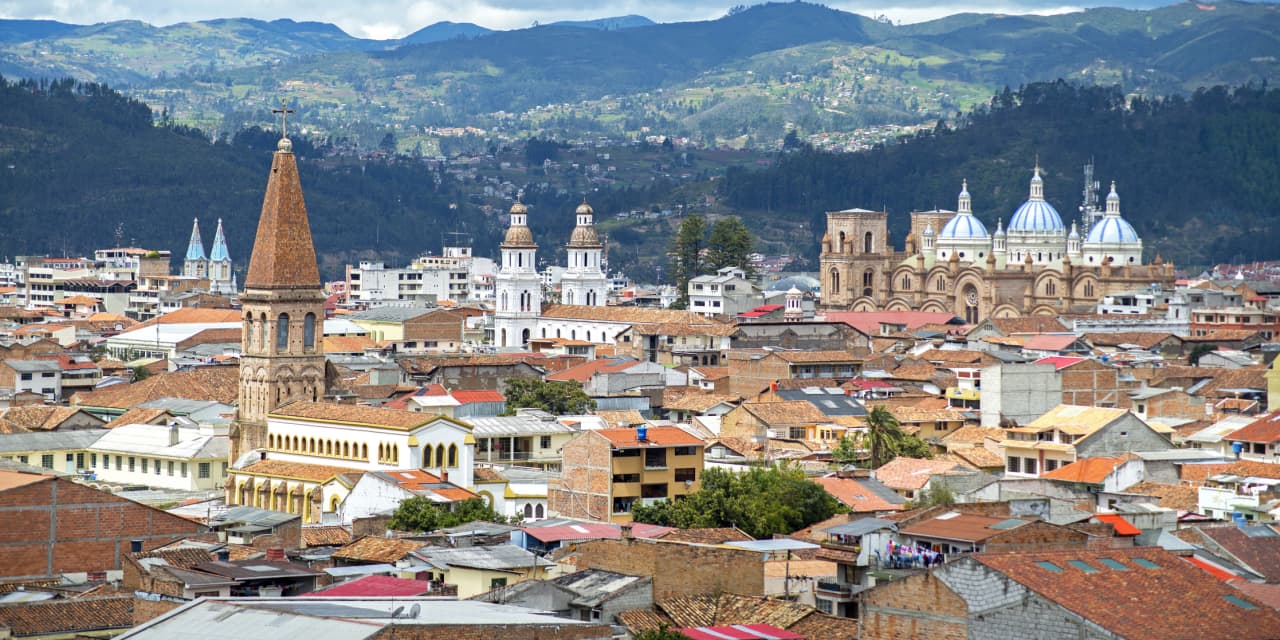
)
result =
(395, 18)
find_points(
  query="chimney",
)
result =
(626, 532)
(444, 474)
(173, 435)
(275, 554)
(135, 546)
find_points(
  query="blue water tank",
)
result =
(1237, 447)
(642, 432)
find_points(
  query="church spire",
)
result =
(283, 254)
(195, 248)
(219, 251)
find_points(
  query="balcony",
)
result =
(835, 591)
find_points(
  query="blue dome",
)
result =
(1111, 230)
(1036, 215)
(962, 227)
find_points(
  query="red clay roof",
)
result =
(584, 372)
(1087, 470)
(659, 436)
(1174, 601)
(852, 494)
(1060, 362)
(1123, 527)
(1265, 429)
(869, 322)
(1049, 342)
(283, 256)
(482, 395)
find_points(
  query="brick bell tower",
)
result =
(283, 309)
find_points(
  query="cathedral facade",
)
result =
(951, 263)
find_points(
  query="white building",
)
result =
(381, 491)
(584, 282)
(727, 293)
(36, 376)
(518, 289)
(185, 458)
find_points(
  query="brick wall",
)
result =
(678, 569)
(1036, 536)
(56, 526)
(582, 490)
(145, 610)
(1092, 385)
(1176, 404)
(495, 632)
(920, 607)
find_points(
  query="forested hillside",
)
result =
(1199, 177)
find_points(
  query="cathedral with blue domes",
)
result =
(952, 263)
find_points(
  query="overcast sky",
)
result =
(395, 18)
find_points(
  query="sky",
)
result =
(384, 19)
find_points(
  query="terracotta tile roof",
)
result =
(916, 414)
(354, 414)
(283, 255)
(787, 412)
(979, 457)
(860, 499)
(1143, 339)
(1252, 468)
(803, 383)
(729, 608)
(819, 626)
(194, 315)
(916, 372)
(869, 322)
(709, 535)
(346, 344)
(587, 370)
(620, 418)
(1086, 470)
(660, 436)
(421, 482)
(628, 315)
(140, 415)
(58, 617)
(1268, 594)
(1049, 342)
(910, 474)
(964, 527)
(182, 558)
(325, 536)
(973, 435)
(40, 417)
(1266, 429)
(1197, 473)
(699, 402)
(298, 470)
(479, 395)
(1172, 496)
(9, 586)
(643, 619)
(957, 357)
(377, 549)
(1028, 324)
(487, 474)
(711, 373)
(220, 384)
(1202, 612)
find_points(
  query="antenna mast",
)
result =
(1089, 210)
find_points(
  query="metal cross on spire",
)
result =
(284, 112)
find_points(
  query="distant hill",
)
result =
(444, 31)
(607, 24)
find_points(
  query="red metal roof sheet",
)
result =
(1123, 527)
(374, 586)
(740, 632)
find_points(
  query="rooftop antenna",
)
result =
(1089, 210)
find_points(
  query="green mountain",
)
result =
(744, 78)
(444, 31)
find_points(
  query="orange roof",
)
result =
(284, 256)
(352, 413)
(192, 315)
(584, 372)
(419, 481)
(1123, 527)
(912, 473)
(1266, 429)
(15, 479)
(298, 470)
(659, 436)
(346, 344)
(80, 300)
(852, 494)
(1087, 470)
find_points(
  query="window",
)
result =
(309, 331)
(867, 242)
(144, 465)
(204, 470)
(26, 376)
(1145, 563)
(626, 477)
(655, 458)
(170, 468)
(497, 582)
(184, 469)
(79, 460)
(686, 475)
(282, 332)
(1050, 465)
(1113, 563)
(544, 442)
(686, 451)
(157, 467)
(131, 464)
(1014, 464)
(1243, 604)
(119, 462)
(1082, 565)
(825, 606)
(46, 461)
(1029, 466)
(1049, 566)
(453, 455)
(93, 460)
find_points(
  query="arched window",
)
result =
(309, 331)
(835, 281)
(840, 247)
(395, 454)
(569, 297)
(439, 455)
(538, 512)
(868, 278)
(312, 445)
(941, 284)
(504, 305)
(453, 455)
(524, 337)
(364, 451)
(1088, 289)
(544, 332)
(1050, 288)
(246, 335)
(573, 334)
(282, 332)
(528, 510)
(262, 332)
(382, 452)
(867, 242)
(906, 283)
(294, 444)
(271, 441)
(346, 449)
(502, 338)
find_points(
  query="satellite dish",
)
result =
(396, 613)
(413, 611)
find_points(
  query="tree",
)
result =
(761, 501)
(1198, 351)
(421, 514)
(388, 144)
(935, 495)
(141, 373)
(661, 633)
(883, 436)
(912, 447)
(849, 450)
(730, 245)
(686, 253)
(553, 396)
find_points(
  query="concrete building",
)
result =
(605, 471)
(727, 293)
(32, 376)
(1069, 432)
(187, 458)
(592, 595)
(1018, 392)
(381, 491)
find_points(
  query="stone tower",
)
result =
(584, 282)
(283, 303)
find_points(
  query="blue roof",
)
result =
(963, 226)
(219, 252)
(1112, 229)
(195, 248)
(1036, 215)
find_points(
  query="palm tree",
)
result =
(883, 436)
